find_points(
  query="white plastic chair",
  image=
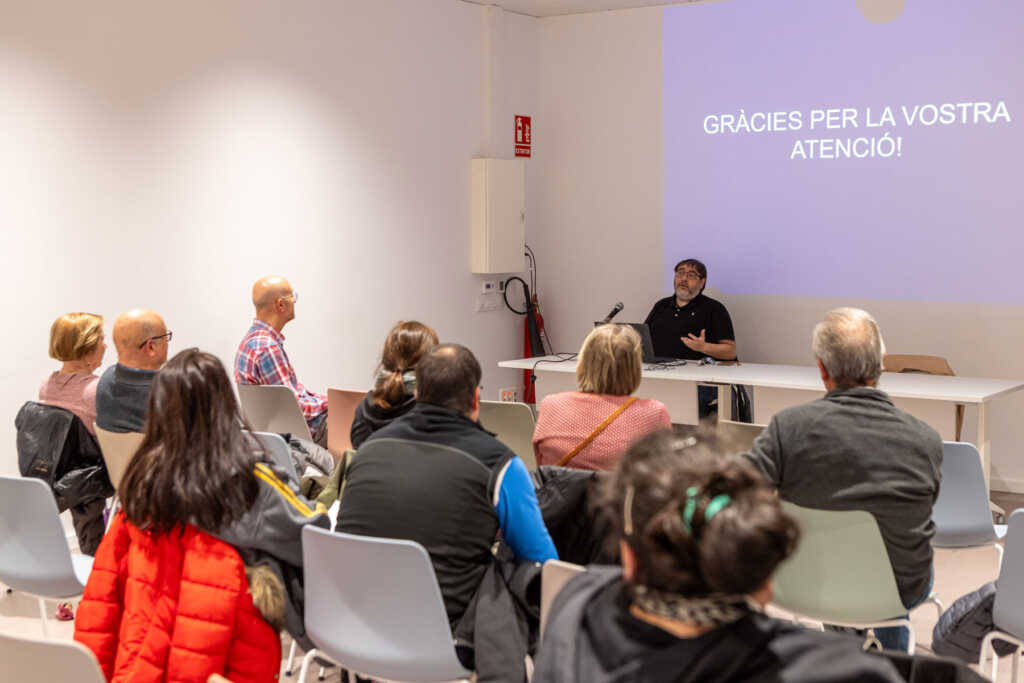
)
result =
(840, 573)
(373, 606)
(1008, 608)
(341, 409)
(961, 514)
(29, 659)
(273, 408)
(34, 554)
(553, 577)
(513, 423)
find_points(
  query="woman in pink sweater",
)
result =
(76, 339)
(607, 372)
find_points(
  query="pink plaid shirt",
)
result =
(261, 360)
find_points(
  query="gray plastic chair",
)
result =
(741, 435)
(34, 554)
(273, 408)
(373, 605)
(278, 450)
(961, 514)
(513, 424)
(553, 576)
(841, 574)
(28, 659)
(1008, 608)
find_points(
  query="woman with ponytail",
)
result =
(700, 534)
(394, 391)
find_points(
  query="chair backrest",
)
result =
(374, 606)
(740, 435)
(118, 449)
(31, 659)
(553, 577)
(341, 408)
(1008, 609)
(961, 513)
(513, 424)
(272, 408)
(840, 572)
(929, 365)
(34, 554)
(278, 450)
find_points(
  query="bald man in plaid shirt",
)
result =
(261, 358)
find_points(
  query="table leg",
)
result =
(984, 449)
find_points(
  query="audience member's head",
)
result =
(849, 348)
(76, 339)
(404, 347)
(690, 278)
(449, 376)
(141, 339)
(274, 301)
(195, 465)
(696, 522)
(610, 361)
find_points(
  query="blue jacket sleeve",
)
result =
(519, 515)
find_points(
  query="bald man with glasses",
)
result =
(261, 358)
(141, 339)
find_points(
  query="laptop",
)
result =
(646, 345)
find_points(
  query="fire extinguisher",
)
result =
(533, 332)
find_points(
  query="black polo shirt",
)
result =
(669, 323)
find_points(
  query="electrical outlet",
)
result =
(488, 286)
(510, 394)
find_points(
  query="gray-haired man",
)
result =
(854, 450)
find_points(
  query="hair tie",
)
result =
(714, 506)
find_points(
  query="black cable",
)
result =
(526, 295)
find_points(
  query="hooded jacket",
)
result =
(173, 607)
(591, 636)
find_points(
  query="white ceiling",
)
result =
(550, 8)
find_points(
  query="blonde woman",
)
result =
(76, 339)
(592, 428)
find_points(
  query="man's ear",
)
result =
(628, 560)
(476, 399)
(822, 371)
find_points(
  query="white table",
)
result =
(928, 397)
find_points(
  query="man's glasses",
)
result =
(688, 274)
(165, 336)
(293, 297)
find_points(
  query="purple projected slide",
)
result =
(812, 152)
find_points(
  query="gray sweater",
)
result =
(854, 450)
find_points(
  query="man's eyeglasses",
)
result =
(165, 336)
(293, 297)
(688, 274)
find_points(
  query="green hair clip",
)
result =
(713, 507)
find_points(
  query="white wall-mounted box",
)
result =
(497, 216)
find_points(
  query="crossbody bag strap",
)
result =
(593, 435)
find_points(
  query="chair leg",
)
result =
(290, 664)
(1016, 665)
(912, 644)
(323, 673)
(999, 566)
(988, 648)
(305, 665)
(42, 615)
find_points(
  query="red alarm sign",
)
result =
(523, 136)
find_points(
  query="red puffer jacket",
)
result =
(173, 607)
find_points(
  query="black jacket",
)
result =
(54, 445)
(370, 417)
(430, 477)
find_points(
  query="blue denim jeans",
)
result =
(898, 637)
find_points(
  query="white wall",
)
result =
(600, 190)
(168, 154)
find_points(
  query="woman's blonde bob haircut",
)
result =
(610, 361)
(75, 335)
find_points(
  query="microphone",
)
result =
(614, 312)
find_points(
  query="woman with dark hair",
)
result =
(701, 535)
(394, 391)
(168, 598)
